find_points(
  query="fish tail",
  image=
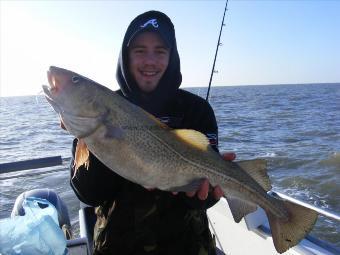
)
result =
(289, 232)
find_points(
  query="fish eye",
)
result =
(75, 79)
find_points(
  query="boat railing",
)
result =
(58, 160)
(321, 211)
(30, 164)
(24, 167)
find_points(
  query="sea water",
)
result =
(295, 127)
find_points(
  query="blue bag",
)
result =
(37, 232)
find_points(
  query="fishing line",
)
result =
(37, 95)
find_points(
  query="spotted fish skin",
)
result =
(135, 145)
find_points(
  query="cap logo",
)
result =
(152, 22)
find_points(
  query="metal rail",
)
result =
(30, 164)
(25, 168)
(57, 160)
(326, 213)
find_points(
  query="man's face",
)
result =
(148, 60)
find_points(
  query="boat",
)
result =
(250, 236)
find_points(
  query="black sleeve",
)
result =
(199, 115)
(96, 184)
(202, 118)
(208, 125)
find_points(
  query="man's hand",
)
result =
(203, 190)
(228, 156)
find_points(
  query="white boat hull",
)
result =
(246, 237)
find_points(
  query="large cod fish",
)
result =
(135, 145)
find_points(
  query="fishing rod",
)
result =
(218, 45)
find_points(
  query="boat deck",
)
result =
(252, 235)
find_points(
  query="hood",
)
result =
(167, 88)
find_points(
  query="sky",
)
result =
(264, 42)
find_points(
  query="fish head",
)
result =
(73, 97)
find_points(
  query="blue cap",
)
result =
(152, 21)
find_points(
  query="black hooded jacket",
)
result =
(175, 224)
(172, 78)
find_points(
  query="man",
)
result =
(130, 218)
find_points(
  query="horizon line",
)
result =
(202, 87)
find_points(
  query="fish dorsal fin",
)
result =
(192, 137)
(82, 155)
(257, 169)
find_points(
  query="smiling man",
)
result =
(148, 60)
(130, 218)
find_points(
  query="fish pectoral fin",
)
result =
(82, 155)
(81, 126)
(192, 137)
(240, 208)
(288, 233)
(257, 169)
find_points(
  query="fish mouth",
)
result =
(50, 90)
(49, 98)
(51, 79)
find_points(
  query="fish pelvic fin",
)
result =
(82, 156)
(240, 208)
(192, 137)
(288, 233)
(257, 169)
